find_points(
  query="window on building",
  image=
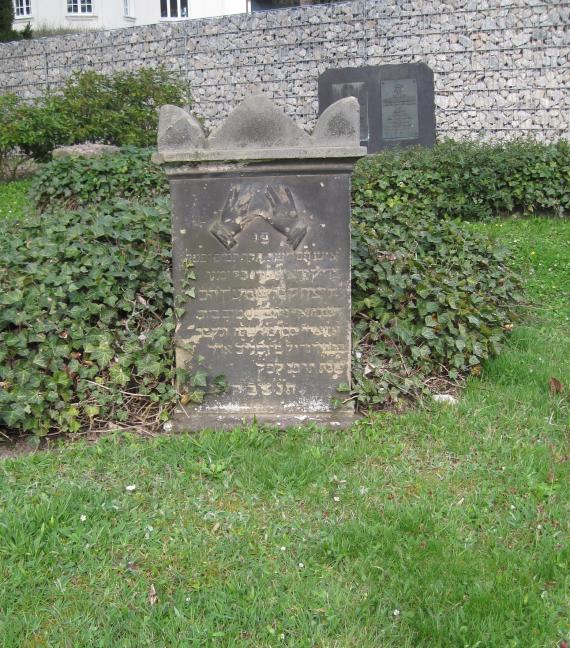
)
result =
(129, 9)
(79, 6)
(174, 8)
(23, 8)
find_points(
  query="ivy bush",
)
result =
(469, 180)
(87, 314)
(86, 318)
(76, 182)
(431, 302)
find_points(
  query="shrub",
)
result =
(87, 315)
(9, 133)
(431, 302)
(6, 15)
(121, 109)
(28, 130)
(41, 127)
(76, 182)
(469, 180)
(86, 318)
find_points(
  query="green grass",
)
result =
(441, 527)
(13, 198)
(541, 252)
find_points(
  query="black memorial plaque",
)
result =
(271, 255)
(398, 99)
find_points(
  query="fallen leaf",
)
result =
(556, 387)
(152, 597)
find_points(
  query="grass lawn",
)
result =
(13, 198)
(446, 526)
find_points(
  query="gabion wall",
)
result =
(501, 66)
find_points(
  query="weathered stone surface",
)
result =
(87, 150)
(257, 130)
(339, 123)
(269, 243)
(258, 124)
(179, 130)
(399, 102)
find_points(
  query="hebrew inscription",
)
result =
(272, 263)
(279, 211)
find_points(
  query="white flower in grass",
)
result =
(396, 613)
(130, 488)
(83, 518)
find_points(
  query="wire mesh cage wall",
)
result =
(501, 70)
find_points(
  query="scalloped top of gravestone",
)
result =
(397, 104)
(258, 130)
(261, 215)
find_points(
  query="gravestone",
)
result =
(261, 217)
(397, 105)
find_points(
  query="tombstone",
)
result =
(397, 105)
(261, 218)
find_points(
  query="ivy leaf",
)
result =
(197, 397)
(102, 354)
(199, 379)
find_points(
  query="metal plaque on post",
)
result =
(399, 109)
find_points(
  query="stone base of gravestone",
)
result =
(261, 216)
(397, 104)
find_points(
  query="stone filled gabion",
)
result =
(501, 70)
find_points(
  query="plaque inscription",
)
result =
(400, 109)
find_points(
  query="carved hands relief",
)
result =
(280, 212)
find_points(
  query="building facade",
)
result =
(114, 14)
